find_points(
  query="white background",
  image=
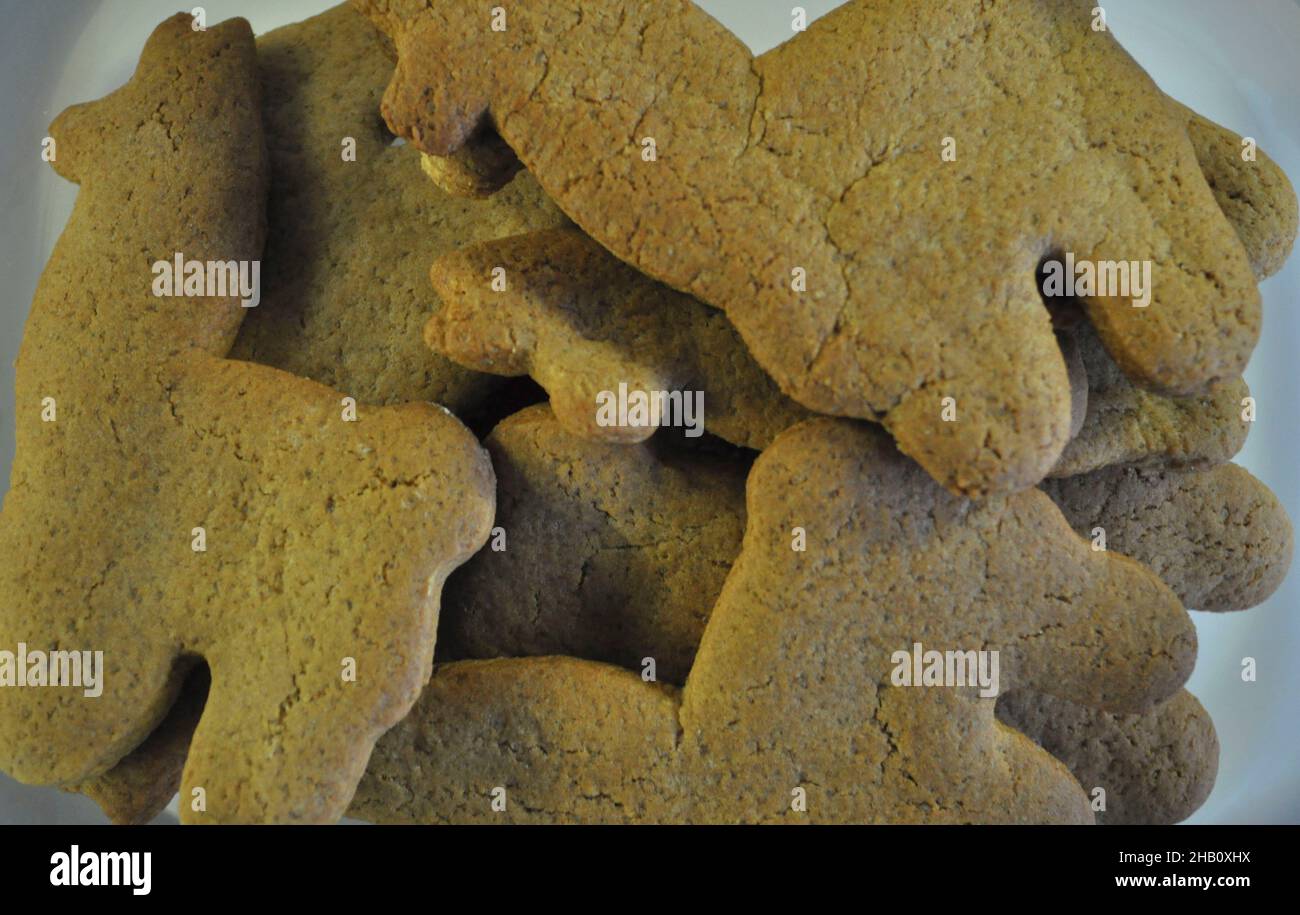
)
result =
(1235, 61)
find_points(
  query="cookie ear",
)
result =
(1253, 192)
(428, 102)
(77, 127)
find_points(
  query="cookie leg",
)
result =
(480, 168)
(1186, 286)
(137, 789)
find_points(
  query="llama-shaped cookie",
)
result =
(168, 504)
(870, 202)
(797, 707)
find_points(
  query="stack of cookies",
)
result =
(438, 413)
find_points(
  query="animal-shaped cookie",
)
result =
(542, 595)
(169, 504)
(353, 225)
(141, 784)
(592, 563)
(1252, 190)
(794, 708)
(868, 202)
(1125, 424)
(596, 333)
(557, 306)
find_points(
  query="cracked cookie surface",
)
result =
(178, 504)
(767, 165)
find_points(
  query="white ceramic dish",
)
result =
(1236, 62)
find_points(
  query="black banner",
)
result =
(334, 865)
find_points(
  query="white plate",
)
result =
(1234, 62)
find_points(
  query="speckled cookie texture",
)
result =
(791, 687)
(481, 168)
(541, 597)
(909, 297)
(177, 504)
(353, 225)
(1218, 537)
(141, 785)
(1126, 424)
(1254, 193)
(583, 323)
(611, 553)
(1156, 768)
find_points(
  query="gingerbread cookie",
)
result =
(353, 225)
(484, 166)
(540, 597)
(167, 503)
(796, 707)
(595, 333)
(1153, 769)
(605, 552)
(613, 594)
(1218, 537)
(821, 218)
(1126, 424)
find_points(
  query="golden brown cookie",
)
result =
(556, 306)
(1254, 193)
(1126, 424)
(542, 597)
(628, 584)
(353, 225)
(1218, 536)
(1155, 768)
(810, 193)
(605, 552)
(482, 168)
(142, 783)
(794, 709)
(167, 503)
